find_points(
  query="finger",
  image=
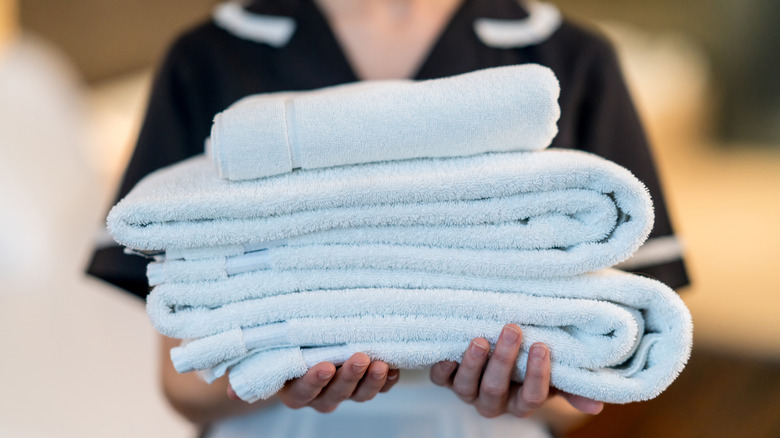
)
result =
(299, 392)
(494, 388)
(536, 385)
(466, 381)
(582, 404)
(392, 379)
(373, 381)
(231, 393)
(441, 373)
(343, 384)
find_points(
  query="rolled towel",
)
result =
(498, 109)
(585, 213)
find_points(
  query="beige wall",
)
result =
(107, 38)
(740, 37)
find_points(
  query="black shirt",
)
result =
(209, 68)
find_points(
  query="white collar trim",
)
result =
(273, 30)
(542, 21)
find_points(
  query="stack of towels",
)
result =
(401, 220)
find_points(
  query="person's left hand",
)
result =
(489, 387)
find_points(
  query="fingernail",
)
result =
(538, 351)
(359, 367)
(449, 366)
(231, 393)
(325, 375)
(477, 349)
(510, 334)
(392, 377)
(379, 375)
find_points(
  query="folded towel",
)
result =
(503, 263)
(613, 336)
(605, 337)
(497, 109)
(585, 213)
(644, 376)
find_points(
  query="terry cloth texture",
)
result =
(585, 214)
(407, 261)
(497, 109)
(614, 337)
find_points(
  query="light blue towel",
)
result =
(464, 215)
(644, 376)
(499, 109)
(613, 336)
(583, 342)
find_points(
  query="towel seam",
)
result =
(285, 103)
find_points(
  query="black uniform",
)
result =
(209, 68)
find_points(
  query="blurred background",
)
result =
(79, 356)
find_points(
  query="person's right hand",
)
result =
(324, 386)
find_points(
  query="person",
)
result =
(269, 46)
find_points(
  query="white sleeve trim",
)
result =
(542, 21)
(273, 30)
(655, 251)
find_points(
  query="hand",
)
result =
(324, 387)
(491, 391)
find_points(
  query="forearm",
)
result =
(323, 388)
(194, 399)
